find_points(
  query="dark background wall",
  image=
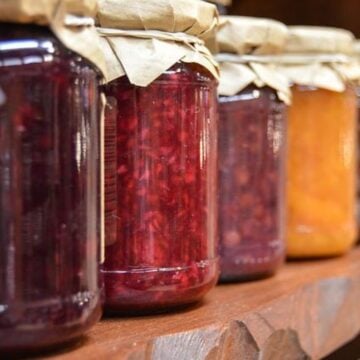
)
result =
(339, 13)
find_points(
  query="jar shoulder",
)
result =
(180, 74)
(188, 71)
(22, 45)
(253, 94)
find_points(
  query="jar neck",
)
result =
(10, 31)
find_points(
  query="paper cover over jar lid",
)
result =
(143, 39)
(357, 47)
(247, 46)
(321, 57)
(70, 20)
(192, 17)
(319, 40)
(43, 11)
(246, 35)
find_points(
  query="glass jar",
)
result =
(357, 89)
(321, 186)
(164, 251)
(251, 183)
(49, 191)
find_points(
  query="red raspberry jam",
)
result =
(49, 191)
(251, 184)
(164, 251)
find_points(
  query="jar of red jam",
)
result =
(161, 195)
(252, 130)
(49, 190)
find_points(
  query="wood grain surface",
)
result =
(307, 311)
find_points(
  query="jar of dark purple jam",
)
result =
(251, 183)
(49, 191)
(162, 229)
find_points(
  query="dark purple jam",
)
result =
(161, 241)
(251, 184)
(49, 191)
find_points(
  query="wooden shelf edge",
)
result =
(308, 310)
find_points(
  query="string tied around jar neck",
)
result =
(151, 34)
(72, 20)
(284, 58)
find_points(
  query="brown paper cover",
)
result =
(319, 40)
(246, 35)
(247, 47)
(68, 19)
(236, 76)
(143, 39)
(320, 57)
(356, 61)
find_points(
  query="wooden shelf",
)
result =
(309, 309)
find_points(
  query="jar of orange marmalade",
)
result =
(321, 167)
(357, 82)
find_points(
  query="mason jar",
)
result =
(163, 253)
(322, 155)
(253, 99)
(49, 190)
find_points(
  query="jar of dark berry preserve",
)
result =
(161, 129)
(49, 181)
(252, 128)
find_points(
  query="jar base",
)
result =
(33, 352)
(31, 338)
(233, 271)
(115, 311)
(158, 290)
(228, 279)
(326, 250)
(316, 256)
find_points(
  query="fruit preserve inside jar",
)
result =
(357, 89)
(321, 185)
(49, 190)
(251, 182)
(161, 240)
